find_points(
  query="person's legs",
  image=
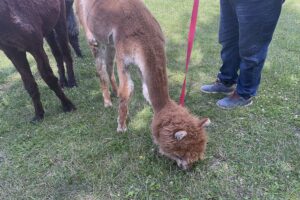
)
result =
(257, 22)
(229, 39)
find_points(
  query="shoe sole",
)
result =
(225, 93)
(224, 108)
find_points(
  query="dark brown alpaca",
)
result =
(127, 28)
(24, 24)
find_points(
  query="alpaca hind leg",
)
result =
(74, 41)
(63, 40)
(73, 31)
(46, 73)
(56, 51)
(125, 90)
(99, 54)
(21, 63)
(109, 58)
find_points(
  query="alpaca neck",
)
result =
(156, 79)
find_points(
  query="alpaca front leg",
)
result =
(104, 84)
(123, 111)
(47, 75)
(99, 54)
(19, 60)
(126, 88)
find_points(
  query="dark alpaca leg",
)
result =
(56, 51)
(72, 27)
(75, 44)
(62, 37)
(19, 60)
(48, 76)
(63, 41)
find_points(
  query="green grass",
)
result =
(253, 153)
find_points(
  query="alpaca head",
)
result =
(179, 135)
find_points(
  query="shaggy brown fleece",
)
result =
(173, 119)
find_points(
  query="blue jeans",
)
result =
(246, 30)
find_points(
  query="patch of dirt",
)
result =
(5, 87)
(219, 158)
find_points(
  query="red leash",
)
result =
(189, 48)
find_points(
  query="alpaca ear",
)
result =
(204, 122)
(180, 135)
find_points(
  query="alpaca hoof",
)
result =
(107, 104)
(37, 119)
(121, 129)
(69, 107)
(71, 84)
(63, 83)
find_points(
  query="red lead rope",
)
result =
(189, 48)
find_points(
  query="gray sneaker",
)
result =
(234, 101)
(217, 87)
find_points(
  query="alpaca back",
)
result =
(22, 19)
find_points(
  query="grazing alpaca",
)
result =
(127, 28)
(23, 26)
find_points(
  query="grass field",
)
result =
(253, 153)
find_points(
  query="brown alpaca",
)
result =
(127, 29)
(24, 24)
